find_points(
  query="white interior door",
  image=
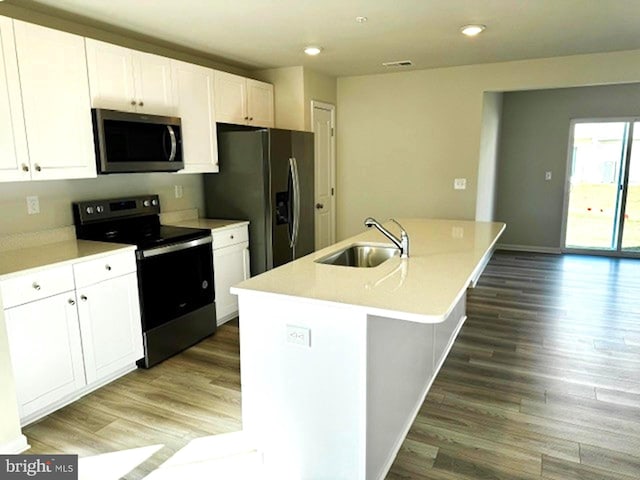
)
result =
(324, 130)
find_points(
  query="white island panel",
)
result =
(303, 403)
(336, 400)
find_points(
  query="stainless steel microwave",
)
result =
(134, 142)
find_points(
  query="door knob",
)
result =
(319, 205)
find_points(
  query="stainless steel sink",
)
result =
(360, 255)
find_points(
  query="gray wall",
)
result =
(534, 138)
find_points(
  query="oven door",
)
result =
(174, 280)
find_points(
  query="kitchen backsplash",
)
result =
(55, 198)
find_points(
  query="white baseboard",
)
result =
(15, 446)
(529, 248)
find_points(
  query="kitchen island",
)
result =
(336, 361)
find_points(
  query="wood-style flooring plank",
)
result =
(542, 383)
(546, 364)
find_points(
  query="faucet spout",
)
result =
(402, 243)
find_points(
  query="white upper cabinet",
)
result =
(14, 157)
(55, 97)
(231, 98)
(128, 80)
(260, 103)
(243, 101)
(193, 91)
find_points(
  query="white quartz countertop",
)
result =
(18, 261)
(210, 223)
(444, 257)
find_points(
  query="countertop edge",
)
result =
(114, 248)
(193, 224)
(398, 315)
(432, 317)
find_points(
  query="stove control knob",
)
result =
(146, 203)
(90, 210)
(99, 209)
(154, 202)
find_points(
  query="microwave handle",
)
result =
(174, 143)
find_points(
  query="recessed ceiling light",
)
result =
(311, 50)
(472, 30)
(361, 19)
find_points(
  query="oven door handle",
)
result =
(176, 247)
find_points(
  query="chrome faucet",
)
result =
(402, 243)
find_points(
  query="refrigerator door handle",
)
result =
(293, 165)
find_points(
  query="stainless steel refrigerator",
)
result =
(266, 177)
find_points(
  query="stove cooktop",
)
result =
(157, 236)
(130, 220)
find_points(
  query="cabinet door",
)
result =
(111, 76)
(14, 158)
(110, 325)
(260, 103)
(57, 107)
(193, 91)
(152, 76)
(230, 266)
(231, 98)
(45, 349)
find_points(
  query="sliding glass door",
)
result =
(603, 204)
(631, 208)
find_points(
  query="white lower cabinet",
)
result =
(230, 266)
(65, 342)
(109, 314)
(46, 351)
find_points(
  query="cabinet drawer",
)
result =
(104, 268)
(34, 286)
(230, 236)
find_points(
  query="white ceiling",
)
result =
(272, 33)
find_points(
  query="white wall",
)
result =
(403, 137)
(288, 95)
(294, 88)
(488, 161)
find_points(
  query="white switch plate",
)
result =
(178, 191)
(460, 184)
(33, 205)
(547, 175)
(299, 335)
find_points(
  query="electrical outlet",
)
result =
(178, 191)
(547, 175)
(33, 205)
(460, 184)
(299, 335)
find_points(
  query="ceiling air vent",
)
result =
(400, 63)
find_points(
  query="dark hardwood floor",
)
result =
(542, 382)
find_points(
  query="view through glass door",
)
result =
(603, 208)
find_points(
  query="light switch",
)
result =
(299, 335)
(460, 184)
(547, 175)
(178, 191)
